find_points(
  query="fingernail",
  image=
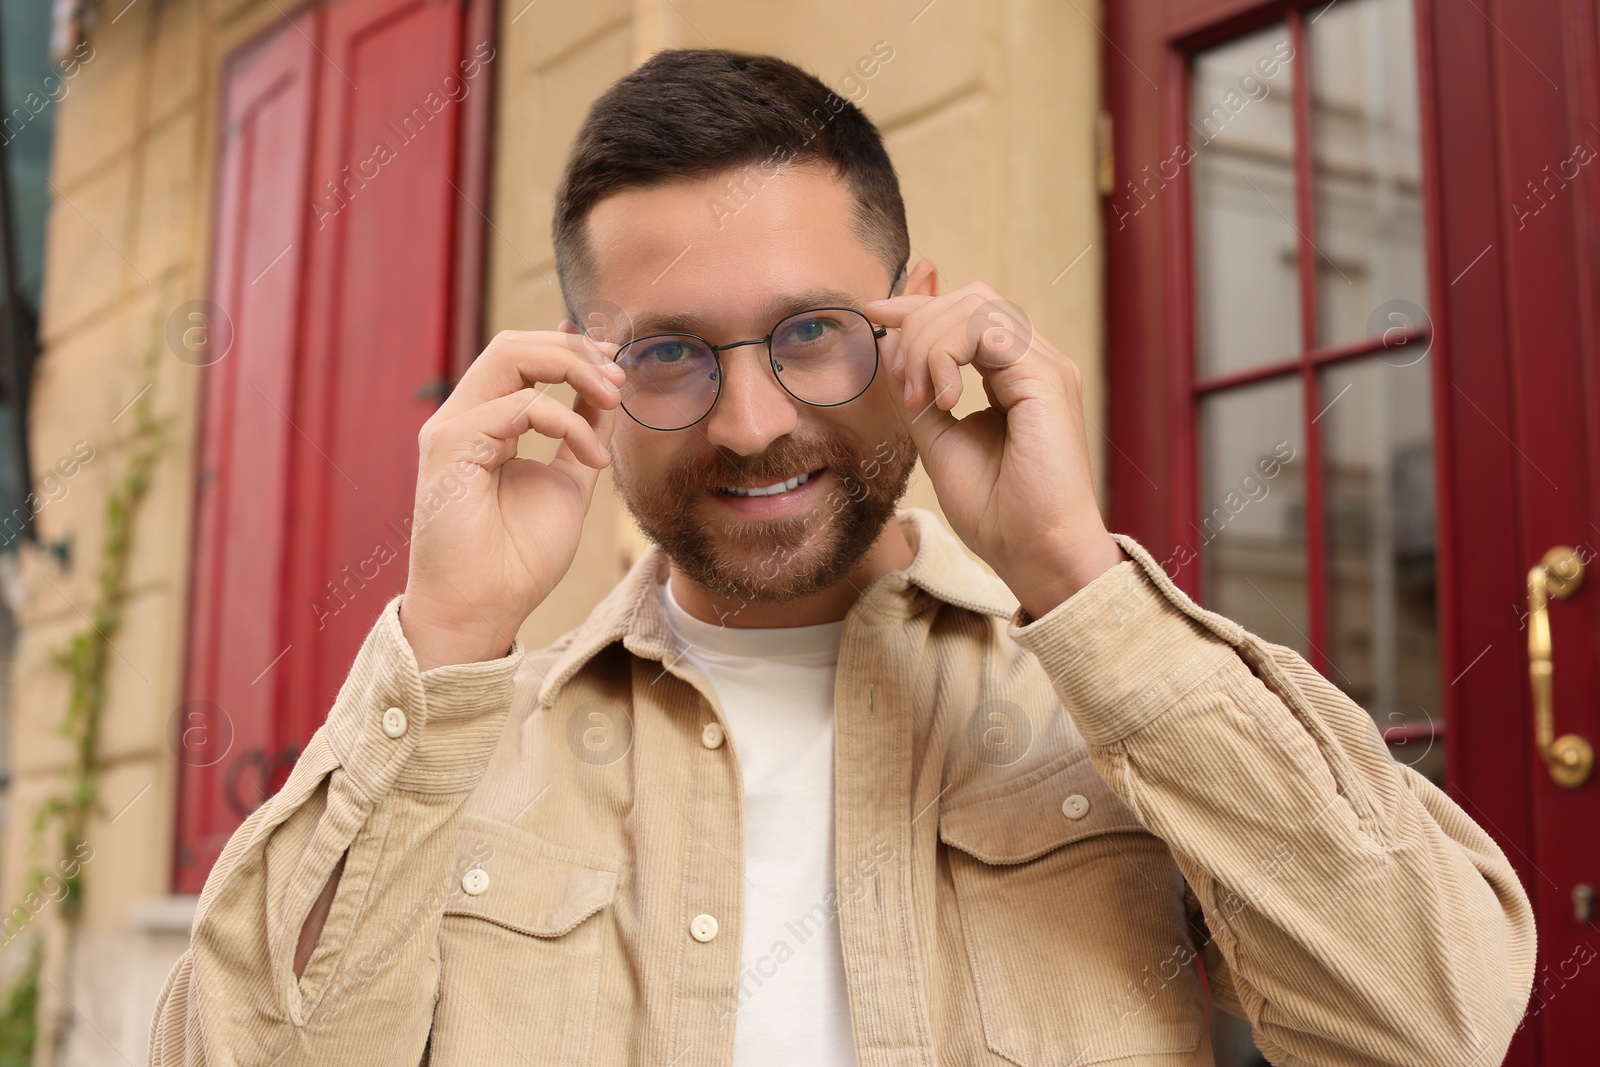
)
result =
(908, 390)
(611, 385)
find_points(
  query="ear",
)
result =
(922, 280)
(568, 326)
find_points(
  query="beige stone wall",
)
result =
(989, 110)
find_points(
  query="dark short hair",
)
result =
(691, 113)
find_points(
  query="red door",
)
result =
(346, 261)
(1354, 393)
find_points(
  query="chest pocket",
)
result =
(1074, 925)
(520, 948)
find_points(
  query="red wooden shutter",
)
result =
(377, 329)
(342, 144)
(236, 595)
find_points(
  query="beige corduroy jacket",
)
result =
(1044, 830)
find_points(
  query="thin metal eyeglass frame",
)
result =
(878, 333)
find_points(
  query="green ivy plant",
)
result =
(19, 1014)
(86, 661)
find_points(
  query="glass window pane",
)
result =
(1251, 527)
(1246, 248)
(1367, 170)
(1377, 469)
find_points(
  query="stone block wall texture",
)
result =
(989, 110)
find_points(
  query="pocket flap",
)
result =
(1032, 815)
(524, 882)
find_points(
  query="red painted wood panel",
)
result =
(377, 328)
(242, 485)
(1543, 77)
(344, 140)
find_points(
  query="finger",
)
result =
(893, 311)
(925, 331)
(925, 421)
(486, 435)
(603, 422)
(553, 419)
(514, 360)
(908, 355)
(1001, 334)
(944, 378)
(941, 338)
(501, 423)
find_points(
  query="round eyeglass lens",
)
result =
(670, 381)
(825, 356)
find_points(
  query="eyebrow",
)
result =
(772, 312)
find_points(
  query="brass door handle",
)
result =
(1556, 576)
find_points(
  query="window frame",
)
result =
(1153, 476)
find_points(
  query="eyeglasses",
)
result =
(822, 356)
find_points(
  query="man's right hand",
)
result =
(492, 534)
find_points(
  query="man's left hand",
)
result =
(1013, 479)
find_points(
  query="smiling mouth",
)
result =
(771, 490)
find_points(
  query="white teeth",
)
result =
(771, 490)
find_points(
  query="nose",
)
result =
(752, 410)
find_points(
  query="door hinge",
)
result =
(1105, 169)
(1583, 902)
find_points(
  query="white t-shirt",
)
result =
(775, 687)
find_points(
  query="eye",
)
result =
(808, 330)
(668, 350)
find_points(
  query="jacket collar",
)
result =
(631, 612)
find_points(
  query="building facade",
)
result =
(1330, 271)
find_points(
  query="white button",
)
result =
(475, 881)
(703, 927)
(394, 722)
(711, 736)
(1075, 806)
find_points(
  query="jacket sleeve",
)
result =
(386, 788)
(1356, 914)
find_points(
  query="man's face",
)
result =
(676, 253)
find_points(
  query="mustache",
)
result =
(781, 459)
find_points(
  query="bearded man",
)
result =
(812, 785)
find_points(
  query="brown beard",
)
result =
(773, 560)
